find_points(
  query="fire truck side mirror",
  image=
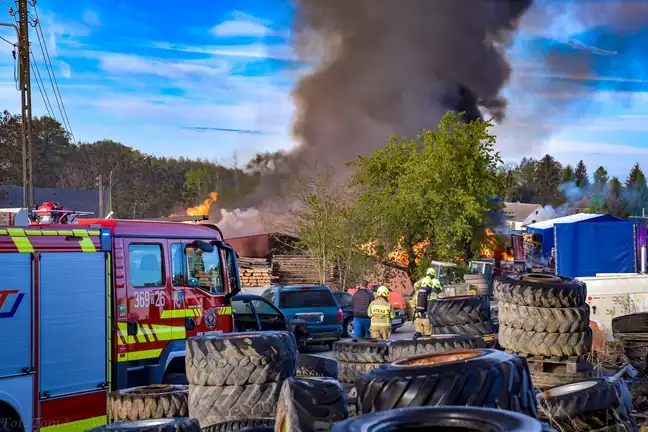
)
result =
(203, 246)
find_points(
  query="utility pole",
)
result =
(25, 93)
(101, 196)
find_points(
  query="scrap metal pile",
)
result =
(258, 381)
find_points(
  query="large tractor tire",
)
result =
(310, 404)
(212, 405)
(438, 343)
(480, 328)
(540, 290)
(241, 425)
(481, 377)
(350, 372)
(632, 323)
(545, 344)
(541, 319)
(240, 358)
(178, 424)
(149, 402)
(316, 366)
(459, 310)
(443, 419)
(595, 404)
(361, 350)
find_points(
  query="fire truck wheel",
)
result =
(545, 344)
(480, 328)
(444, 418)
(240, 358)
(449, 311)
(149, 402)
(595, 404)
(480, 377)
(540, 290)
(185, 424)
(211, 404)
(361, 350)
(316, 366)
(401, 349)
(240, 425)
(309, 404)
(539, 319)
(349, 372)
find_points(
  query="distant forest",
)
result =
(149, 186)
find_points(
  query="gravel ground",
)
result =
(404, 332)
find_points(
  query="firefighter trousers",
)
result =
(423, 326)
(380, 332)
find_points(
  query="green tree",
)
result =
(548, 178)
(600, 178)
(568, 174)
(320, 213)
(614, 203)
(435, 188)
(580, 175)
(636, 191)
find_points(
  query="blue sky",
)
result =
(212, 78)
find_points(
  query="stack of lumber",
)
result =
(294, 270)
(254, 272)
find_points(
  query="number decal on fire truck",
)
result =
(150, 298)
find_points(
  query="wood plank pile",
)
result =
(294, 270)
(254, 272)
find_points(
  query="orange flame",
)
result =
(487, 248)
(201, 209)
(507, 256)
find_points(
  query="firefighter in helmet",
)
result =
(427, 288)
(381, 313)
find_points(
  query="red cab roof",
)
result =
(124, 228)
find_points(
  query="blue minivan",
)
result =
(314, 304)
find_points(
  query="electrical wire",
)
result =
(52, 75)
(41, 88)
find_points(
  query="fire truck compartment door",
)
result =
(73, 323)
(15, 313)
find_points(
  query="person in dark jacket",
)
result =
(360, 305)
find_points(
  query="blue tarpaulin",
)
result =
(546, 228)
(591, 247)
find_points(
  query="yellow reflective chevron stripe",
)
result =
(76, 426)
(225, 311)
(181, 313)
(143, 355)
(20, 240)
(21, 236)
(155, 333)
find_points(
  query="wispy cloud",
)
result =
(240, 24)
(91, 18)
(217, 129)
(66, 71)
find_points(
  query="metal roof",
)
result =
(578, 217)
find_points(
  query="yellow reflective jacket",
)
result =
(381, 313)
(428, 281)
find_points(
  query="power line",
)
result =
(42, 89)
(8, 41)
(52, 75)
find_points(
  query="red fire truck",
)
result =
(102, 305)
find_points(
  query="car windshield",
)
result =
(306, 299)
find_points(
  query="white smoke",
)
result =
(241, 223)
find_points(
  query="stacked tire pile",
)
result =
(546, 316)
(631, 332)
(356, 357)
(479, 377)
(596, 404)
(236, 377)
(465, 315)
(149, 402)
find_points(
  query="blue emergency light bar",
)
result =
(106, 244)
